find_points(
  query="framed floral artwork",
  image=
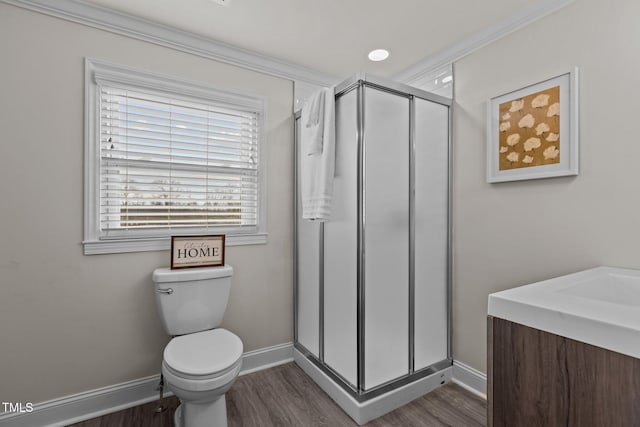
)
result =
(533, 132)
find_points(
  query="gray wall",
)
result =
(71, 323)
(511, 234)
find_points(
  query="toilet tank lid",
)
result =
(161, 275)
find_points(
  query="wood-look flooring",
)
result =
(286, 396)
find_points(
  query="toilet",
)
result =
(202, 360)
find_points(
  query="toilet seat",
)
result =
(203, 383)
(203, 360)
(203, 354)
(200, 377)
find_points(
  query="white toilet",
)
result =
(201, 362)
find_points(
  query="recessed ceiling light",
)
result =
(222, 2)
(378, 55)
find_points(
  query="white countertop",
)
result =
(600, 306)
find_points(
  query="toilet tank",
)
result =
(192, 299)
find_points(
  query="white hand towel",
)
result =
(317, 162)
(313, 122)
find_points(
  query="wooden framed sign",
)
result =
(197, 251)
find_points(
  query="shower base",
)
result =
(363, 412)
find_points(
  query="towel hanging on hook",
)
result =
(317, 163)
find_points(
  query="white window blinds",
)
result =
(170, 162)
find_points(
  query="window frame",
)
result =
(97, 72)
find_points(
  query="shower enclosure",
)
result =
(372, 285)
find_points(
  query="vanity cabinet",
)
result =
(537, 378)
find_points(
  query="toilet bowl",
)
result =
(199, 368)
(202, 360)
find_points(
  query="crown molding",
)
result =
(95, 16)
(478, 40)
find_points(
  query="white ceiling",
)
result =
(333, 36)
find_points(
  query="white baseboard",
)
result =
(362, 412)
(470, 379)
(265, 358)
(87, 405)
(95, 403)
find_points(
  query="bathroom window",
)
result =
(166, 157)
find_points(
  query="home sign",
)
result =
(197, 251)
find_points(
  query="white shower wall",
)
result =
(431, 232)
(386, 244)
(307, 248)
(341, 249)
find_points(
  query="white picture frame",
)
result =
(532, 132)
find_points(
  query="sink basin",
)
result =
(599, 306)
(613, 288)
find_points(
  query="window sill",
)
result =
(115, 246)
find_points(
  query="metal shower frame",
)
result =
(358, 82)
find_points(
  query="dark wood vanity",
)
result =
(536, 378)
